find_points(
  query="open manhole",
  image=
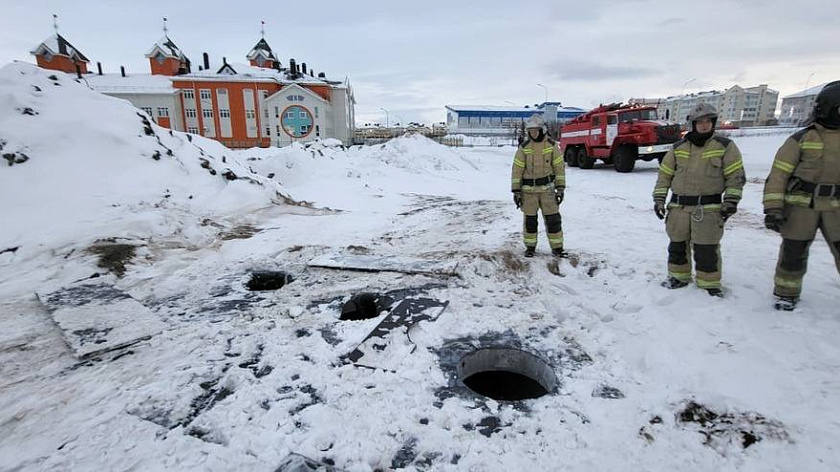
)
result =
(506, 374)
(268, 280)
(362, 306)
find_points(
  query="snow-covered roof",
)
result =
(493, 108)
(168, 48)
(261, 48)
(807, 92)
(232, 71)
(131, 83)
(57, 45)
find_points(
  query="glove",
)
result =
(774, 218)
(559, 193)
(517, 198)
(659, 209)
(728, 209)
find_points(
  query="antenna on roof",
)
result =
(262, 29)
(55, 23)
(165, 29)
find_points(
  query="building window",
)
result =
(48, 56)
(317, 130)
(222, 91)
(303, 114)
(304, 129)
(249, 114)
(207, 113)
(290, 115)
(192, 130)
(268, 130)
(190, 112)
(276, 112)
(159, 57)
(148, 110)
(189, 94)
(205, 94)
(316, 112)
(224, 113)
(163, 112)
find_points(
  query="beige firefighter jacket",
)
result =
(537, 160)
(711, 169)
(811, 155)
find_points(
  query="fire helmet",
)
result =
(827, 106)
(703, 110)
(535, 121)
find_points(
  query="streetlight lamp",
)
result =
(387, 118)
(686, 83)
(546, 92)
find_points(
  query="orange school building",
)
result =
(260, 103)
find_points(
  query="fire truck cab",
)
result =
(617, 134)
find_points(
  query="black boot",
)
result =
(673, 283)
(785, 303)
(530, 250)
(558, 252)
(715, 292)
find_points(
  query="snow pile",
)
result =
(84, 165)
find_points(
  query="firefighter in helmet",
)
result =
(538, 182)
(705, 174)
(802, 193)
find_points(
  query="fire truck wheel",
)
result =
(571, 157)
(625, 159)
(584, 161)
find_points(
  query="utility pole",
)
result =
(546, 92)
(387, 118)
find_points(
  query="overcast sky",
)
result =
(413, 58)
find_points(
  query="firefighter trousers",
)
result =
(544, 201)
(798, 232)
(696, 229)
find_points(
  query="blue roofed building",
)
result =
(496, 120)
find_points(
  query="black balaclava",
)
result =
(699, 139)
(540, 135)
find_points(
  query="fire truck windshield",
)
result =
(637, 115)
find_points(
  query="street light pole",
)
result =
(387, 118)
(546, 92)
(686, 83)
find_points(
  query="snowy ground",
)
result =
(238, 380)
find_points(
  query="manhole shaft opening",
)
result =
(362, 306)
(268, 280)
(506, 374)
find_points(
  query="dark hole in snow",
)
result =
(506, 374)
(362, 306)
(268, 280)
(114, 257)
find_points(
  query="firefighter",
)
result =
(538, 182)
(802, 193)
(699, 168)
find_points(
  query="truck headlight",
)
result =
(650, 149)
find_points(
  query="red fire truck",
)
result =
(618, 134)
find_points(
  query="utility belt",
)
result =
(692, 200)
(817, 190)
(538, 182)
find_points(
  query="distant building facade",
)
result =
(495, 120)
(241, 105)
(797, 108)
(738, 106)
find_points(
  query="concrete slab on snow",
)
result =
(408, 265)
(95, 317)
